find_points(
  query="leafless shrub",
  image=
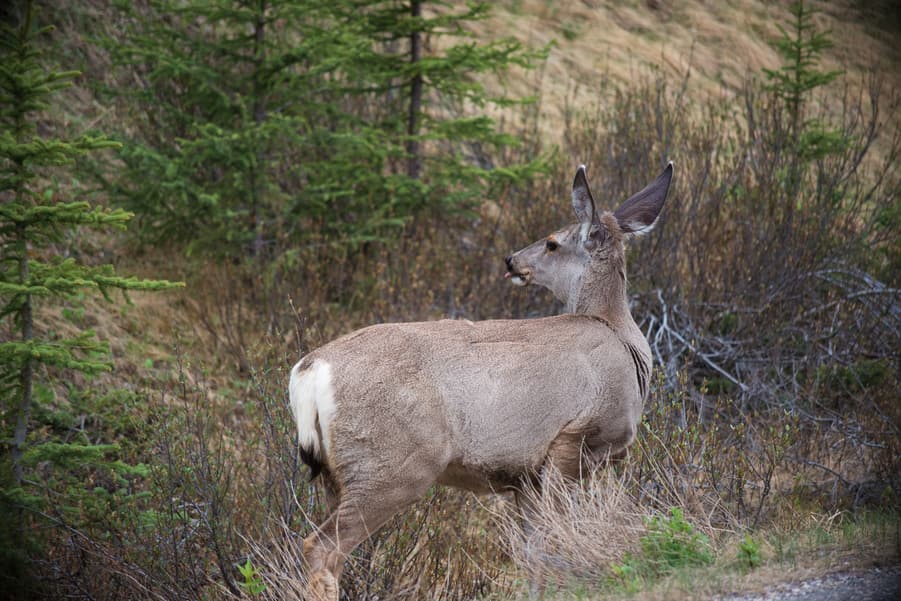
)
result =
(750, 281)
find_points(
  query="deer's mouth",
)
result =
(518, 278)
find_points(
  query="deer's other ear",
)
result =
(583, 202)
(639, 213)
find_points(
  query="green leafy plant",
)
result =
(670, 543)
(253, 584)
(749, 555)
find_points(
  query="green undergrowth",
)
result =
(676, 561)
(671, 543)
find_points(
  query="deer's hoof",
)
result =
(323, 586)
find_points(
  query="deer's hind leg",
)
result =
(359, 514)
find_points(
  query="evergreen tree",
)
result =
(279, 137)
(243, 148)
(428, 97)
(210, 166)
(801, 47)
(34, 224)
(270, 124)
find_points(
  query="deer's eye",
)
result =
(551, 246)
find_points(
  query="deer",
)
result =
(388, 411)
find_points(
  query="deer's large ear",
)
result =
(583, 202)
(639, 213)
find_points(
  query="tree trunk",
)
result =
(26, 373)
(259, 115)
(413, 158)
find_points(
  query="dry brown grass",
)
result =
(445, 547)
(278, 564)
(583, 531)
(573, 531)
(819, 544)
(720, 43)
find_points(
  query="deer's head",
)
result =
(592, 248)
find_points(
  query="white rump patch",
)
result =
(312, 398)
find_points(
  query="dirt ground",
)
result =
(874, 584)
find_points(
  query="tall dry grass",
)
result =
(445, 547)
(564, 532)
(720, 44)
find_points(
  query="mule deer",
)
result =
(385, 412)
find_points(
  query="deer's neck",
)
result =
(602, 292)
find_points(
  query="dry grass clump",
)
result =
(276, 573)
(445, 547)
(572, 531)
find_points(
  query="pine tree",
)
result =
(801, 47)
(278, 137)
(239, 152)
(203, 170)
(279, 123)
(427, 96)
(243, 148)
(34, 224)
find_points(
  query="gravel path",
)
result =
(876, 584)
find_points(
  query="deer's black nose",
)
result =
(509, 261)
